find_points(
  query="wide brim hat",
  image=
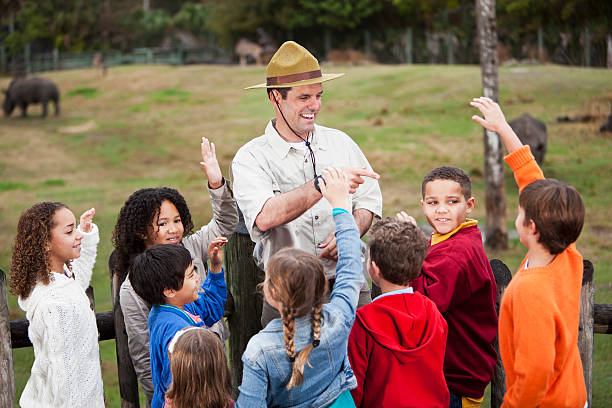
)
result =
(293, 65)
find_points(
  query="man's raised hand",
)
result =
(355, 176)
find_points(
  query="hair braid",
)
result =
(288, 316)
(317, 315)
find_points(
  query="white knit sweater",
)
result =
(66, 370)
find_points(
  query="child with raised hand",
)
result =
(200, 377)
(161, 216)
(166, 277)
(300, 359)
(539, 314)
(51, 267)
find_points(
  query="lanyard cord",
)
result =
(312, 155)
(189, 318)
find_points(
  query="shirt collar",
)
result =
(282, 148)
(395, 292)
(437, 238)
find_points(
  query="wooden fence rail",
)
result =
(243, 311)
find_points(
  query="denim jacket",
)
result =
(267, 368)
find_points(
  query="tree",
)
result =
(496, 236)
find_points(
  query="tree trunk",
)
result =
(496, 237)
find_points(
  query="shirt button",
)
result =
(316, 217)
(305, 160)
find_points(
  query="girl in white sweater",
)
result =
(51, 289)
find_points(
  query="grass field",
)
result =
(140, 126)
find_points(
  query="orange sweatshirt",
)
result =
(538, 322)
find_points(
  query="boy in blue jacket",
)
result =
(165, 276)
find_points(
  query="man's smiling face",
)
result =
(300, 108)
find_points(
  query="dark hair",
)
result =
(557, 211)
(297, 280)
(398, 248)
(136, 216)
(30, 259)
(283, 92)
(200, 376)
(160, 267)
(449, 173)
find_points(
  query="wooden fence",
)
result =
(243, 311)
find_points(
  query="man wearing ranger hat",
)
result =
(276, 175)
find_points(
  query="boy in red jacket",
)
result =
(458, 278)
(396, 346)
(539, 314)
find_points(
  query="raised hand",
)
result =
(494, 120)
(215, 253)
(335, 187)
(493, 117)
(86, 220)
(402, 216)
(210, 164)
(356, 176)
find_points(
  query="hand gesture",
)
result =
(335, 187)
(210, 164)
(330, 251)
(402, 216)
(355, 176)
(86, 220)
(494, 119)
(215, 254)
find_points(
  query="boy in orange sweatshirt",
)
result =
(538, 320)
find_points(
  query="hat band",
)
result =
(286, 79)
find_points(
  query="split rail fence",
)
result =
(243, 310)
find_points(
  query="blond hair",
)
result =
(200, 376)
(296, 279)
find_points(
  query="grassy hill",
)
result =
(140, 126)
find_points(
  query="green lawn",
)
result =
(140, 126)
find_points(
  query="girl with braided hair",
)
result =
(300, 359)
(161, 216)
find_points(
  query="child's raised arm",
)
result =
(495, 121)
(210, 164)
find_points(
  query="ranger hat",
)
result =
(293, 65)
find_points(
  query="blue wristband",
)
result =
(337, 211)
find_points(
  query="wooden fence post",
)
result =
(243, 276)
(128, 382)
(498, 383)
(585, 331)
(7, 375)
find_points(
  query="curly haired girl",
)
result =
(200, 377)
(161, 216)
(301, 359)
(51, 267)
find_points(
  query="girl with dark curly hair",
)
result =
(51, 267)
(161, 216)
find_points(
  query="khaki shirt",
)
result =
(268, 166)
